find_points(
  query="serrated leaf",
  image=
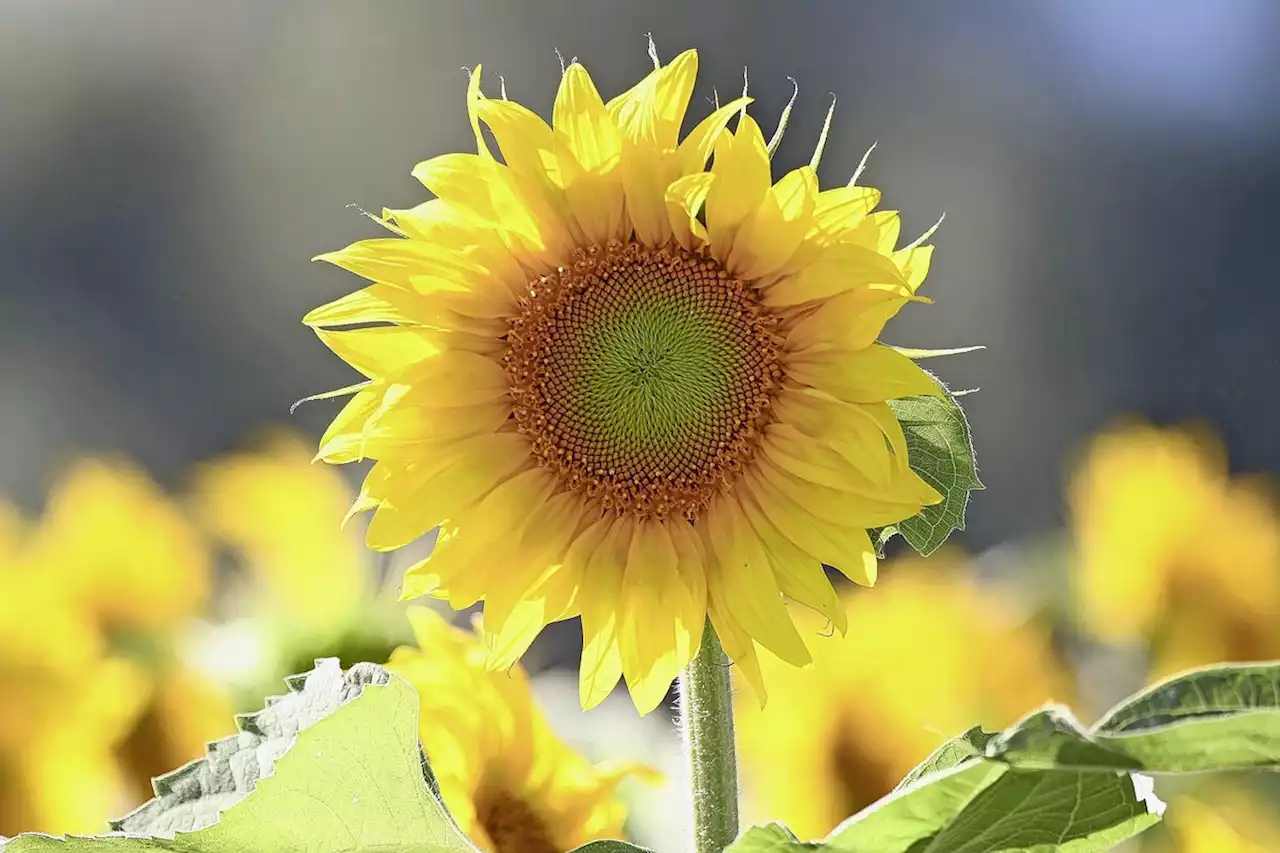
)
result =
(940, 450)
(351, 779)
(1215, 718)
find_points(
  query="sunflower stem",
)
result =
(706, 715)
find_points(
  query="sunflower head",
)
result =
(509, 781)
(125, 549)
(629, 386)
(1167, 537)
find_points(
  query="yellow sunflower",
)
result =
(934, 653)
(628, 387)
(125, 549)
(1175, 552)
(277, 511)
(1228, 822)
(511, 784)
(65, 705)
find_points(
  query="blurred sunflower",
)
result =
(1173, 551)
(127, 552)
(65, 705)
(309, 584)
(1229, 822)
(627, 387)
(510, 783)
(934, 653)
(95, 597)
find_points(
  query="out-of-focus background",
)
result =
(1109, 173)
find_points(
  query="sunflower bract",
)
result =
(626, 386)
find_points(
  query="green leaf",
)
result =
(982, 806)
(610, 845)
(770, 838)
(971, 744)
(333, 766)
(940, 450)
(1216, 718)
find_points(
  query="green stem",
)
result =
(706, 714)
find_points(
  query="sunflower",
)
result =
(276, 511)
(127, 551)
(509, 782)
(934, 654)
(1173, 551)
(65, 703)
(627, 387)
(1231, 821)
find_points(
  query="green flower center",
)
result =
(643, 376)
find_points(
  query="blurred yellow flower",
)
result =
(509, 781)
(1174, 551)
(64, 706)
(281, 514)
(1229, 822)
(929, 655)
(127, 553)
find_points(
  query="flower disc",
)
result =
(642, 376)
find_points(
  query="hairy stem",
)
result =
(706, 714)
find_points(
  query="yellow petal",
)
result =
(839, 269)
(545, 543)
(914, 263)
(592, 181)
(602, 585)
(341, 440)
(771, 235)
(742, 171)
(653, 109)
(870, 375)
(471, 469)
(799, 576)
(848, 321)
(836, 546)
(684, 199)
(738, 646)
(457, 378)
(846, 428)
(650, 602)
(840, 210)
(742, 585)
(697, 146)
(889, 226)
(646, 174)
(466, 563)
(380, 352)
(474, 96)
(835, 506)
(415, 265)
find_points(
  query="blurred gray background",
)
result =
(1110, 171)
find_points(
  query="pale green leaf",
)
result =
(350, 779)
(982, 806)
(1217, 718)
(940, 450)
(962, 747)
(610, 845)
